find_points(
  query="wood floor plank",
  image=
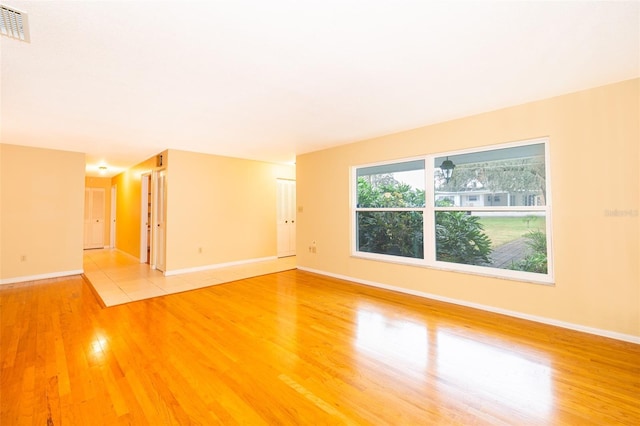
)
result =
(298, 348)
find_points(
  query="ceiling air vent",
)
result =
(14, 24)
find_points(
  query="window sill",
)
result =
(484, 271)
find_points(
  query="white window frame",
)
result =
(429, 210)
(354, 209)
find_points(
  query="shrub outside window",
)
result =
(492, 216)
(390, 209)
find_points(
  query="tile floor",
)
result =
(120, 278)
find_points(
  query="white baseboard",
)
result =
(549, 321)
(217, 266)
(40, 276)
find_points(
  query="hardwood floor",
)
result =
(298, 348)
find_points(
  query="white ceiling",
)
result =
(122, 81)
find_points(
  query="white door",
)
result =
(286, 217)
(159, 215)
(145, 219)
(94, 205)
(112, 229)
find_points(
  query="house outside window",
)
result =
(491, 217)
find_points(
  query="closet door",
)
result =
(94, 205)
(286, 217)
(159, 206)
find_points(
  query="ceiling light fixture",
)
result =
(102, 170)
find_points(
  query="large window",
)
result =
(484, 211)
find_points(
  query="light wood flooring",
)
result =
(295, 348)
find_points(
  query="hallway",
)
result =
(118, 278)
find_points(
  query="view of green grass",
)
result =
(504, 229)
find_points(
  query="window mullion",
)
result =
(429, 218)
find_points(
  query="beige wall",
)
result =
(41, 211)
(104, 183)
(225, 206)
(593, 141)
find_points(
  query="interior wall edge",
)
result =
(22, 279)
(218, 265)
